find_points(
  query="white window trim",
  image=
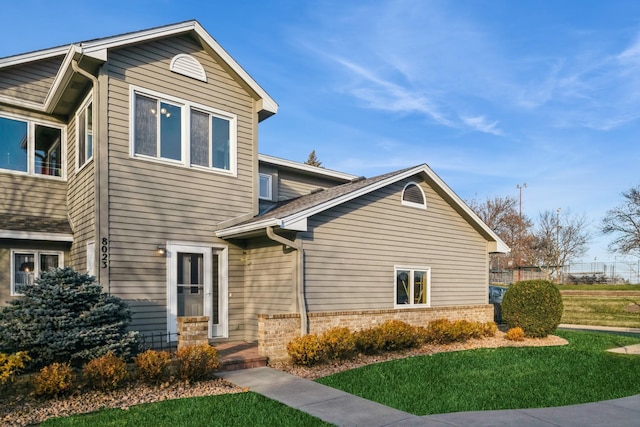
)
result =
(36, 254)
(186, 107)
(88, 100)
(412, 204)
(269, 177)
(31, 128)
(411, 269)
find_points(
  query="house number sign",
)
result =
(104, 253)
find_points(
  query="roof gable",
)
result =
(94, 52)
(293, 214)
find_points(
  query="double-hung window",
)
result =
(413, 286)
(178, 131)
(27, 265)
(84, 133)
(31, 147)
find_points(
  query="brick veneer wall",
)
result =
(193, 331)
(276, 330)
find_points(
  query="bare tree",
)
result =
(623, 222)
(500, 214)
(559, 239)
(313, 159)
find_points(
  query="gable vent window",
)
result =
(413, 196)
(188, 66)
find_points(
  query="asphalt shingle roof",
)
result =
(34, 224)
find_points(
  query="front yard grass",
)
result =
(241, 409)
(502, 378)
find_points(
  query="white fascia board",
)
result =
(63, 77)
(38, 55)
(30, 235)
(248, 228)
(298, 225)
(268, 103)
(304, 167)
(501, 247)
(352, 195)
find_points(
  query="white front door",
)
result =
(197, 285)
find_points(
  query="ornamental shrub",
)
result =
(338, 343)
(196, 362)
(11, 364)
(65, 316)
(153, 366)
(398, 335)
(515, 334)
(54, 379)
(534, 305)
(305, 350)
(444, 331)
(106, 372)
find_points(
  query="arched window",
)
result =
(412, 195)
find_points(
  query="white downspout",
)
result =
(302, 305)
(96, 131)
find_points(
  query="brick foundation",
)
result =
(276, 330)
(193, 331)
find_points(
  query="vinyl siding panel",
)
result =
(30, 82)
(269, 282)
(81, 202)
(352, 249)
(292, 185)
(152, 202)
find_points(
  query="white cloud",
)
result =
(480, 123)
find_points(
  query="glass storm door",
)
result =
(197, 286)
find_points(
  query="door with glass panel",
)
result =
(197, 284)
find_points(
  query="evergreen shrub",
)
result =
(534, 305)
(65, 316)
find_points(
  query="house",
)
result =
(135, 158)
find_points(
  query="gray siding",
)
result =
(291, 184)
(30, 82)
(352, 249)
(81, 202)
(152, 202)
(269, 282)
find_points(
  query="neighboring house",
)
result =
(135, 158)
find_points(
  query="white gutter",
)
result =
(302, 305)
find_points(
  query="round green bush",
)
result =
(533, 305)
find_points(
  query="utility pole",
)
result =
(520, 187)
(558, 244)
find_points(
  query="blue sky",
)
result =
(490, 94)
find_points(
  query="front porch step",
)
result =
(234, 356)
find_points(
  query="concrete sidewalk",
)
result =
(344, 409)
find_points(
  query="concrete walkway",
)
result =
(344, 409)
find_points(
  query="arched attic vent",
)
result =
(189, 66)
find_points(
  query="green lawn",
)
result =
(503, 378)
(242, 409)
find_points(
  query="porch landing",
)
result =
(238, 355)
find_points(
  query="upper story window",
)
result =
(412, 195)
(182, 132)
(84, 134)
(413, 286)
(265, 186)
(27, 265)
(31, 147)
